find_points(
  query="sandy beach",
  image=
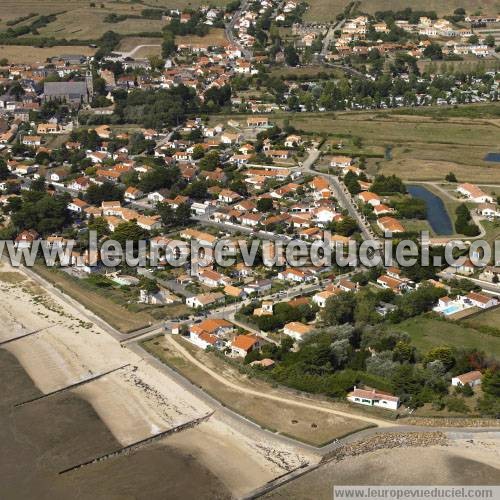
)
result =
(136, 401)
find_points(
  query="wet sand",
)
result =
(40, 439)
(457, 464)
(134, 402)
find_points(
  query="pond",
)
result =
(437, 215)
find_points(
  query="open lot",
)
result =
(427, 333)
(131, 42)
(307, 425)
(31, 55)
(216, 36)
(489, 318)
(321, 11)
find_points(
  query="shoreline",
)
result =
(136, 402)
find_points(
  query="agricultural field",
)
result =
(427, 333)
(31, 55)
(468, 65)
(81, 20)
(442, 7)
(87, 23)
(321, 11)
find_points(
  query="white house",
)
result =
(471, 378)
(204, 300)
(321, 297)
(212, 278)
(489, 210)
(341, 161)
(369, 198)
(373, 398)
(474, 193)
(132, 193)
(297, 330)
(481, 300)
(258, 286)
(77, 205)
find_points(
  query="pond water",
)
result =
(437, 215)
(495, 157)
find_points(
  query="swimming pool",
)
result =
(450, 310)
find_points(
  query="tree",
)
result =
(441, 353)
(129, 231)
(490, 41)
(352, 183)
(99, 225)
(40, 211)
(404, 352)
(167, 214)
(107, 191)
(150, 286)
(473, 40)
(451, 177)
(210, 161)
(433, 52)
(339, 309)
(168, 47)
(183, 214)
(346, 227)
(387, 185)
(464, 223)
(198, 152)
(264, 205)
(291, 56)
(4, 171)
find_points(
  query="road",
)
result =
(330, 36)
(132, 52)
(237, 228)
(229, 30)
(341, 193)
(273, 397)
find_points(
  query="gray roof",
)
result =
(65, 88)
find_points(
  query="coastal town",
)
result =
(251, 124)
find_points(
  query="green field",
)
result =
(79, 20)
(490, 319)
(320, 11)
(423, 147)
(442, 7)
(427, 333)
(326, 10)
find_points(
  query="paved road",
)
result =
(330, 36)
(229, 29)
(341, 193)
